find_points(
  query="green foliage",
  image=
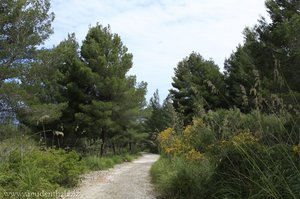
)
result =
(116, 98)
(251, 170)
(198, 85)
(179, 179)
(252, 155)
(83, 94)
(90, 92)
(96, 163)
(25, 24)
(9, 130)
(269, 128)
(24, 167)
(266, 64)
(160, 118)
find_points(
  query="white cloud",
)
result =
(160, 33)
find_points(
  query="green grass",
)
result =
(177, 178)
(246, 171)
(94, 163)
(26, 168)
(252, 156)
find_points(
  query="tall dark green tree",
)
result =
(24, 25)
(94, 96)
(155, 122)
(240, 70)
(198, 85)
(271, 50)
(115, 97)
(281, 37)
(52, 93)
(161, 116)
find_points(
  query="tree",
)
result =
(198, 86)
(162, 115)
(25, 24)
(94, 96)
(267, 62)
(160, 118)
(155, 122)
(240, 79)
(281, 37)
(114, 99)
(48, 87)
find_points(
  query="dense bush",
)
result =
(26, 168)
(94, 163)
(178, 178)
(248, 169)
(269, 128)
(240, 156)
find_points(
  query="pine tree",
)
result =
(115, 98)
(25, 24)
(271, 52)
(161, 116)
(198, 86)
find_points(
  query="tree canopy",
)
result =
(198, 85)
(267, 63)
(24, 25)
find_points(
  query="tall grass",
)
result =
(95, 163)
(178, 179)
(26, 167)
(251, 155)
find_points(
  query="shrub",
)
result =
(242, 156)
(270, 128)
(251, 170)
(178, 178)
(95, 163)
(24, 167)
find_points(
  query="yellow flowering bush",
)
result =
(244, 138)
(165, 139)
(191, 131)
(198, 122)
(296, 149)
(188, 131)
(174, 145)
(193, 155)
(165, 135)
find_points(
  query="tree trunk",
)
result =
(130, 146)
(103, 144)
(114, 148)
(102, 149)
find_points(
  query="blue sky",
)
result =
(160, 33)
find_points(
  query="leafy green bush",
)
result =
(9, 130)
(177, 178)
(270, 128)
(24, 167)
(95, 163)
(251, 155)
(252, 170)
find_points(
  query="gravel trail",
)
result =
(129, 180)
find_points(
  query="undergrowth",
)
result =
(236, 155)
(26, 167)
(94, 163)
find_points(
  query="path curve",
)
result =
(129, 180)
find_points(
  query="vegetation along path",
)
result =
(125, 181)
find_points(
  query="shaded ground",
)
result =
(129, 180)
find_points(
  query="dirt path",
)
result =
(125, 181)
